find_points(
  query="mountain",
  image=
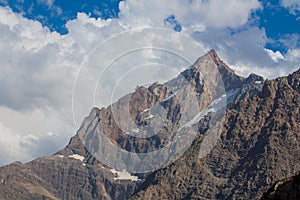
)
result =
(231, 137)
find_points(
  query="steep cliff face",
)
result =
(259, 145)
(259, 142)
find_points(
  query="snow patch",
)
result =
(77, 157)
(169, 97)
(146, 110)
(258, 82)
(124, 175)
(135, 130)
(61, 156)
(149, 117)
(215, 105)
(83, 164)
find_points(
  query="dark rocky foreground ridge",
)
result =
(259, 144)
(288, 188)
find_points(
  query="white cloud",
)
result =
(232, 13)
(292, 5)
(38, 132)
(7, 18)
(37, 72)
(17, 146)
(293, 56)
(32, 59)
(213, 13)
(9, 150)
(88, 32)
(275, 55)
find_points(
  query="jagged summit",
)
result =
(210, 67)
(212, 56)
(218, 61)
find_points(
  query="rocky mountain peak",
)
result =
(213, 58)
(229, 78)
(213, 54)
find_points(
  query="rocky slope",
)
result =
(258, 142)
(70, 174)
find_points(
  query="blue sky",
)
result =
(43, 44)
(279, 22)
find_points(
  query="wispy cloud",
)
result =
(292, 5)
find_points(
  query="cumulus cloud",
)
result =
(10, 151)
(17, 146)
(232, 13)
(37, 72)
(35, 63)
(293, 55)
(275, 55)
